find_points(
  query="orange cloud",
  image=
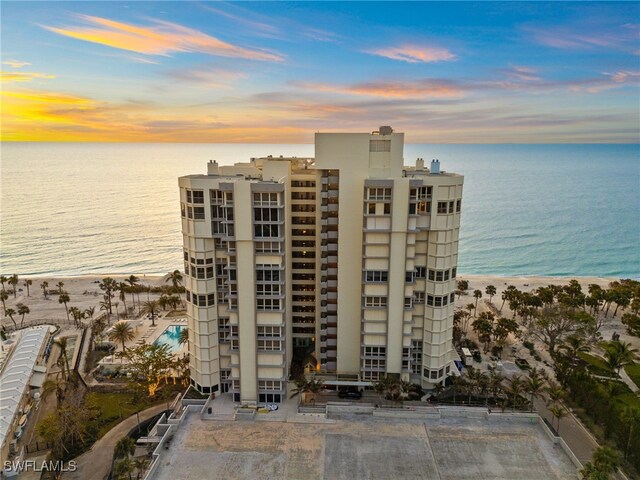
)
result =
(414, 54)
(7, 77)
(163, 38)
(393, 89)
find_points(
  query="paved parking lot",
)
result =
(363, 448)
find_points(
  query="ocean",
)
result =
(81, 208)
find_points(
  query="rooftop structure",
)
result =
(16, 377)
(343, 264)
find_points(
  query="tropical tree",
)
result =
(477, 294)
(175, 301)
(558, 412)
(57, 386)
(534, 385)
(463, 285)
(61, 343)
(308, 389)
(28, 283)
(4, 296)
(123, 288)
(10, 312)
(13, 281)
(133, 282)
(64, 298)
(183, 337)
(44, 285)
(508, 294)
(90, 312)
(573, 345)
(98, 327)
(631, 417)
(108, 285)
(151, 307)
(3, 280)
(60, 285)
(630, 320)
(618, 354)
(149, 363)
(555, 393)
(104, 305)
(140, 465)
(121, 332)
(175, 278)
(514, 389)
(483, 326)
(77, 315)
(22, 310)
(491, 291)
(126, 446)
(557, 323)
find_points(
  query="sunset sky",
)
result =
(275, 72)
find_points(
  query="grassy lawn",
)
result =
(634, 372)
(115, 407)
(596, 365)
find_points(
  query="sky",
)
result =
(276, 72)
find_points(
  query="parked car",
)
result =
(350, 393)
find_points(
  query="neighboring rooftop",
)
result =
(365, 447)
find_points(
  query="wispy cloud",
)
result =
(434, 88)
(15, 63)
(160, 38)
(214, 77)
(587, 36)
(7, 77)
(525, 74)
(414, 53)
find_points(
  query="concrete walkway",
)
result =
(96, 463)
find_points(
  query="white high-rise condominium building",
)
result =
(344, 264)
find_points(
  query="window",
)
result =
(452, 297)
(439, 275)
(458, 205)
(387, 209)
(451, 206)
(267, 230)
(375, 302)
(453, 272)
(267, 247)
(266, 304)
(408, 277)
(224, 330)
(375, 352)
(446, 275)
(270, 331)
(420, 272)
(270, 385)
(267, 273)
(268, 289)
(412, 209)
(442, 207)
(183, 210)
(376, 276)
(198, 196)
(418, 297)
(424, 207)
(266, 214)
(379, 193)
(408, 302)
(270, 345)
(371, 208)
(189, 196)
(432, 275)
(216, 196)
(198, 213)
(374, 363)
(265, 198)
(379, 145)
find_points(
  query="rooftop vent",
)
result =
(435, 167)
(385, 130)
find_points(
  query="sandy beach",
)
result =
(84, 293)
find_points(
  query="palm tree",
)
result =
(59, 386)
(77, 315)
(558, 411)
(121, 332)
(555, 393)
(122, 288)
(573, 345)
(140, 465)
(90, 312)
(126, 446)
(4, 296)
(123, 468)
(13, 281)
(116, 304)
(98, 327)
(60, 285)
(618, 354)
(28, 283)
(183, 337)
(515, 387)
(163, 301)
(44, 285)
(22, 310)
(175, 278)
(61, 342)
(477, 294)
(64, 298)
(631, 417)
(534, 385)
(3, 280)
(104, 305)
(10, 312)
(491, 291)
(307, 388)
(133, 281)
(151, 307)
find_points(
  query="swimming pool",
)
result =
(170, 337)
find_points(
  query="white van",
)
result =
(467, 358)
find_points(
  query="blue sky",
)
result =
(452, 72)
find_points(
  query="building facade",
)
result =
(344, 263)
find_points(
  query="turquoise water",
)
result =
(70, 209)
(170, 337)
